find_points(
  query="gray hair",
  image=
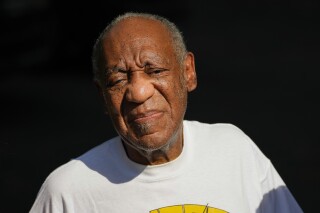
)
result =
(97, 53)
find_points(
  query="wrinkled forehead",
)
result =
(137, 29)
(135, 25)
(137, 37)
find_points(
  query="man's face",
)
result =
(145, 87)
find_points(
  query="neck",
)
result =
(163, 155)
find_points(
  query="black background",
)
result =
(257, 65)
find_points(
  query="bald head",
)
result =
(136, 22)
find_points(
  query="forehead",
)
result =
(137, 37)
(138, 27)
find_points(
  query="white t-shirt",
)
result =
(219, 170)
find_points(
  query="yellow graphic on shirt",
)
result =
(188, 208)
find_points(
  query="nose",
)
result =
(140, 88)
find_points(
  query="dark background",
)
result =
(257, 65)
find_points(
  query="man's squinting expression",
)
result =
(145, 86)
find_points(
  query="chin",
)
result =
(151, 142)
(156, 141)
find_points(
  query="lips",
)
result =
(145, 116)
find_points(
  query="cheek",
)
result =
(114, 110)
(113, 103)
(179, 88)
(174, 91)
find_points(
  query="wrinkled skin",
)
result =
(146, 89)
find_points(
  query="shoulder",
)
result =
(74, 173)
(224, 139)
(63, 178)
(215, 131)
(55, 187)
(77, 177)
(206, 126)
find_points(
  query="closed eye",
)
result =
(114, 83)
(156, 71)
(116, 80)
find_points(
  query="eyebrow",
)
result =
(114, 69)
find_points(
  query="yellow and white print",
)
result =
(188, 208)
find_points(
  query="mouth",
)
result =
(145, 117)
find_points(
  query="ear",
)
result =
(190, 72)
(102, 95)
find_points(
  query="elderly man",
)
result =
(160, 162)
